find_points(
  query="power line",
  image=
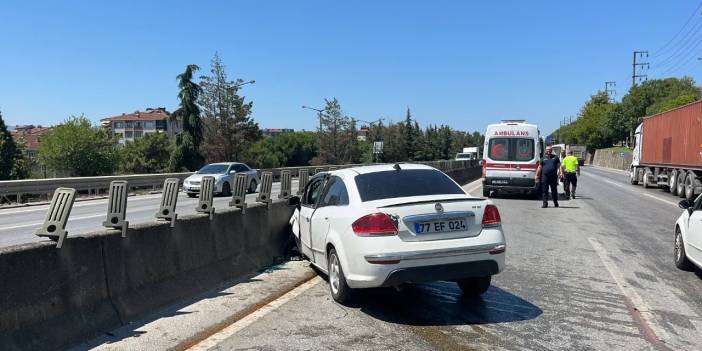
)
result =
(659, 50)
(682, 50)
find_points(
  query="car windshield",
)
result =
(213, 169)
(511, 149)
(404, 183)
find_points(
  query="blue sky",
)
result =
(461, 63)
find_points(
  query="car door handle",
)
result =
(307, 219)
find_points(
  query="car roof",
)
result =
(380, 168)
(226, 163)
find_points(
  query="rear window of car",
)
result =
(511, 149)
(404, 183)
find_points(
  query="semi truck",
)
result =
(668, 151)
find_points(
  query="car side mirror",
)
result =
(294, 201)
(232, 172)
(685, 204)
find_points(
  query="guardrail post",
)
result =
(57, 216)
(204, 203)
(239, 192)
(318, 170)
(285, 185)
(117, 207)
(264, 196)
(169, 199)
(302, 179)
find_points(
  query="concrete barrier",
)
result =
(51, 298)
(612, 159)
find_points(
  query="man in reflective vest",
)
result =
(571, 174)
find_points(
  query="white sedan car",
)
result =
(688, 235)
(385, 225)
(224, 173)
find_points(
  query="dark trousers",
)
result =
(552, 183)
(570, 183)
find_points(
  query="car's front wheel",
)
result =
(474, 286)
(252, 187)
(680, 256)
(340, 291)
(226, 189)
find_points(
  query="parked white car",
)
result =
(224, 173)
(386, 225)
(688, 235)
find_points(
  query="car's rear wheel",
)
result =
(474, 286)
(340, 291)
(679, 254)
(486, 192)
(226, 189)
(252, 187)
(192, 194)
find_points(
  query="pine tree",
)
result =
(187, 154)
(12, 164)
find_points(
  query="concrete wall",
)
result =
(612, 159)
(50, 298)
(97, 282)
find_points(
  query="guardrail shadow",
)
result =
(441, 304)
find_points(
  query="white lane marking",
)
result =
(619, 171)
(630, 188)
(628, 291)
(42, 222)
(473, 186)
(232, 329)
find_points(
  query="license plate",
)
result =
(450, 225)
(500, 181)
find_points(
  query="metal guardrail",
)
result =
(93, 185)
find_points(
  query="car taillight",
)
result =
(491, 216)
(374, 224)
(484, 169)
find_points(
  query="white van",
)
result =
(511, 155)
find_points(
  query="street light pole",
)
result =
(319, 114)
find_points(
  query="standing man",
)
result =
(572, 172)
(547, 174)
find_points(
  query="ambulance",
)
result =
(511, 155)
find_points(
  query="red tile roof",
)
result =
(151, 114)
(30, 134)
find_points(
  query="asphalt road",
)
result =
(18, 225)
(595, 274)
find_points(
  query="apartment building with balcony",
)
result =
(134, 126)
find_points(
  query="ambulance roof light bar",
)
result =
(513, 121)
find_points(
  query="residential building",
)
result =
(363, 133)
(30, 135)
(133, 126)
(274, 132)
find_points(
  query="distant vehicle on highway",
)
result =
(468, 154)
(386, 225)
(688, 235)
(668, 151)
(513, 149)
(224, 173)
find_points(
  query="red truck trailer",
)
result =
(668, 151)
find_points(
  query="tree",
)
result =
(410, 135)
(591, 127)
(146, 155)
(187, 152)
(229, 127)
(80, 148)
(337, 141)
(12, 165)
(285, 150)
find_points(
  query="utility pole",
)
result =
(634, 65)
(319, 114)
(610, 92)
